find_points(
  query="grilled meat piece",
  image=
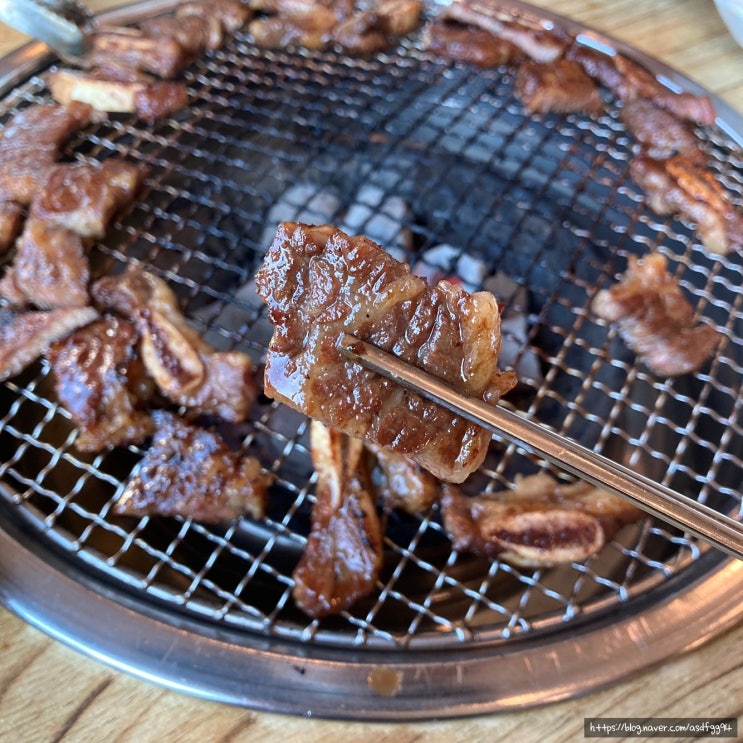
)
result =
(367, 31)
(655, 319)
(561, 86)
(118, 91)
(629, 81)
(192, 32)
(683, 187)
(190, 472)
(11, 221)
(100, 381)
(312, 30)
(401, 483)
(343, 555)
(49, 270)
(473, 45)
(185, 368)
(25, 335)
(538, 44)
(659, 133)
(539, 523)
(30, 145)
(231, 14)
(85, 197)
(131, 48)
(317, 283)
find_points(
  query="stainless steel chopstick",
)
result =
(717, 529)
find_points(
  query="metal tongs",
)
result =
(720, 531)
(63, 25)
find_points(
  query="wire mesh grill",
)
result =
(546, 202)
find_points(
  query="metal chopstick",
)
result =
(717, 529)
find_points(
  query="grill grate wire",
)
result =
(548, 202)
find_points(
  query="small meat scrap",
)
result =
(30, 144)
(658, 132)
(130, 48)
(119, 91)
(11, 221)
(561, 86)
(539, 44)
(85, 197)
(368, 30)
(685, 188)
(655, 319)
(102, 384)
(189, 471)
(401, 483)
(185, 368)
(49, 270)
(343, 556)
(318, 283)
(26, 335)
(540, 523)
(630, 81)
(475, 46)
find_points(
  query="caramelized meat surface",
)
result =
(231, 14)
(185, 368)
(539, 523)
(538, 44)
(473, 45)
(629, 81)
(343, 555)
(30, 145)
(85, 197)
(100, 381)
(561, 86)
(659, 133)
(132, 49)
(189, 471)
(311, 30)
(11, 221)
(655, 319)
(317, 283)
(119, 91)
(683, 187)
(24, 336)
(49, 270)
(401, 483)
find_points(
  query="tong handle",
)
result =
(719, 530)
(63, 25)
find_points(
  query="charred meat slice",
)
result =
(132, 49)
(185, 368)
(561, 86)
(473, 45)
(401, 483)
(30, 145)
(317, 283)
(629, 81)
(100, 381)
(655, 319)
(190, 471)
(49, 270)
(683, 187)
(85, 197)
(539, 523)
(11, 221)
(344, 550)
(659, 133)
(538, 44)
(115, 91)
(26, 335)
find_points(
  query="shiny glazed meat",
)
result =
(318, 282)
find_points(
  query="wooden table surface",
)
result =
(49, 692)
